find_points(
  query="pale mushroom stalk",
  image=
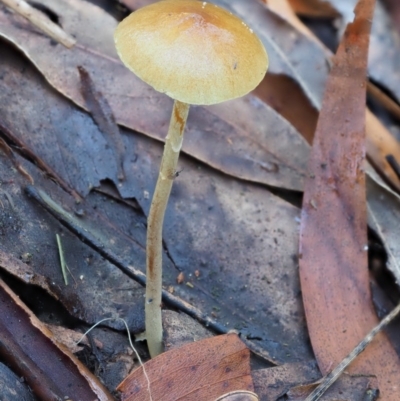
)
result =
(196, 53)
(169, 162)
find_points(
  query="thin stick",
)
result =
(21, 7)
(334, 375)
(169, 162)
(62, 260)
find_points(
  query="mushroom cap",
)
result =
(193, 51)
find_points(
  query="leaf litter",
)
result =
(143, 193)
(239, 152)
(203, 212)
(379, 145)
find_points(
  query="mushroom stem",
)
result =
(169, 162)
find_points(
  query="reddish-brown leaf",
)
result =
(203, 370)
(333, 262)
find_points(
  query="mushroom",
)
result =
(196, 53)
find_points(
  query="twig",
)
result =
(21, 7)
(334, 375)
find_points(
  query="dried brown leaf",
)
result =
(333, 263)
(203, 370)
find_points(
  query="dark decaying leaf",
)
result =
(180, 329)
(97, 289)
(203, 370)
(272, 383)
(256, 292)
(245, 146)
(24, 271)
(30, 349)
(384, 218)
(333, 262)
(102, 114)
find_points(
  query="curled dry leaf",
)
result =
(333, 263)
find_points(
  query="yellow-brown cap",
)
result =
(193, 51)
